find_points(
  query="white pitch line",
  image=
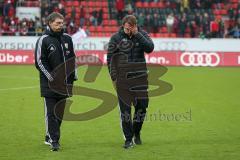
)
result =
(18, 88)
(18, 77)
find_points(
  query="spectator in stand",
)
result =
(196, 4)
(214, 28)
(192, 27)
(73, 12)
(207, 4)
(205, 25)
(178, 5)
(128, 8)
(82, 16)
(236, 32)
(61, 9)
(23, 28)
(44, 23)
(31, 29)
(93, 18)
(231, 12)
(170, 22)
(230, 31)
(71, 27)
(185, 6)
(13, 28)
(141, 19)
(120, 10)
(5, 29)
(6, 7)
(156, 23)
(237, 17)
(221, 31)
(148, 23)
(38, 26)
(198, 22)
(192, 4)
(182, 25)
(100, 17)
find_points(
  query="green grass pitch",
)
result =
(211, 132)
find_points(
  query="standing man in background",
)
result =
(131, 42)
(53, 49)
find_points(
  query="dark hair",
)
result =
(53, 16)
(131, 19)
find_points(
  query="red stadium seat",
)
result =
(146, 4)
(76, 3)
(113, 22)
(93, 34)
(77, 9)
(151, 35)
(99, 29)
(105, 10)
(105, 22)
(173, 35)
(164, 29)
(92, 29)
(139, 4)
(100, 34)
(157, 34)
(68, 9)
(105, 16)
(160, 5)
(114, 29)
(216, 12)
(108, 34)
(223, 12)
(107, 29)
(91, 4)
(235, 6)
(68, 3)
(164, 35)
(105, 4)
(83, 3)
(98, 4)
(153, 5)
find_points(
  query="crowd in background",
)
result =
(194, 17)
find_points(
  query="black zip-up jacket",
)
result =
(132, 47)
(55, 50)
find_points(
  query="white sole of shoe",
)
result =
(47, 143)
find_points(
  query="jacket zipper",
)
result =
(65, 69)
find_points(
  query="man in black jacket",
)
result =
(55, 60)
(127, 67)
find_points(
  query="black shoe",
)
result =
(128, 144)
(137, 140)
(55, 146)
(47, 140)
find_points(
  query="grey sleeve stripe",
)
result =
(39, 62)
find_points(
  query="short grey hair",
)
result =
(54, 15)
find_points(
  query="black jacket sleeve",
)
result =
(41, 58)
(75, 70)
(145, 41)
(112, 49)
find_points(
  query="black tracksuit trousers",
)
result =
(54, 110)
(132, 127)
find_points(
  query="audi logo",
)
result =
(173, 46)
(200, 59)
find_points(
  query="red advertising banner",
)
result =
(210, 59)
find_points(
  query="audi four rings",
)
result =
(200, 59)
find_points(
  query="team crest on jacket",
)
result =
(66, 45)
